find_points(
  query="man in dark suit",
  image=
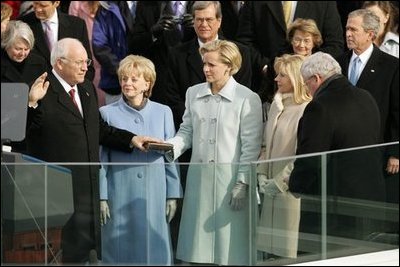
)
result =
(339, 116)
(64, 126)
(186, 65)
(262, 25)
(378, 74)
(62, 26)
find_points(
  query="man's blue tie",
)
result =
(355, 71)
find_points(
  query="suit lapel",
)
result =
(62, 96)
(346, 64)
(40, 40)
(302, 9)
(84, 95)
(194, 59)
(64, 27)
(277, 12)
(368, 73)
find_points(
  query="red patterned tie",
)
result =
(72, 95)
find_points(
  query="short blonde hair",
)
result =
(307, 26)
(140, 66)
(290, 65)
(17, 30)
(229, 53)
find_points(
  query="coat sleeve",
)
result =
(115, 138)
(250, 135)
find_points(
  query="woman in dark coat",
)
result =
(18, 63)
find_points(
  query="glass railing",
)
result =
(342, 204)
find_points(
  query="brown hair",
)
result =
(307, 26)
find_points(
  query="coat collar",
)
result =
(227, 92)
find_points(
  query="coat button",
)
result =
(211, 161)
(137, 120)
(211, 141)
(139, 175)
(214, 120)
(206, 100)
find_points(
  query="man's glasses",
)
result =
(79, 63)
(207, 20)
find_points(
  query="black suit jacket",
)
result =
(261, 24)
(186, 69)
(230, 19)
(380, 77)
(56, 132)
(69, 26)
(340, 116)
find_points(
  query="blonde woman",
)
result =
(222, 123)
(140, 199)
(280, 214)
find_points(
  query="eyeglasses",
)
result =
(207, 20)
(79, 63)
(298, 41)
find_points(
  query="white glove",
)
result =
(238, 196)
(262, 182)
(104, 212)
(170, 209)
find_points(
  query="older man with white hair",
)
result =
(340, 116)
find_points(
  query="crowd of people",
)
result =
(226, 83)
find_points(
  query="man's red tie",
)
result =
(72, 95)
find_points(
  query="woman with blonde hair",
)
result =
(222, 123)
(280, 212)
(140, 198)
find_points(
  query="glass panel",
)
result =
(36, 204)
(339, 203)
(342, 203)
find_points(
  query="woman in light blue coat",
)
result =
(222, 124)
(138, 200)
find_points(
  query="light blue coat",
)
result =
(138, 232)
(225, 133)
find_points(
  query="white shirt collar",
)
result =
(201, 44)
(364, 56)
(64, 84)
